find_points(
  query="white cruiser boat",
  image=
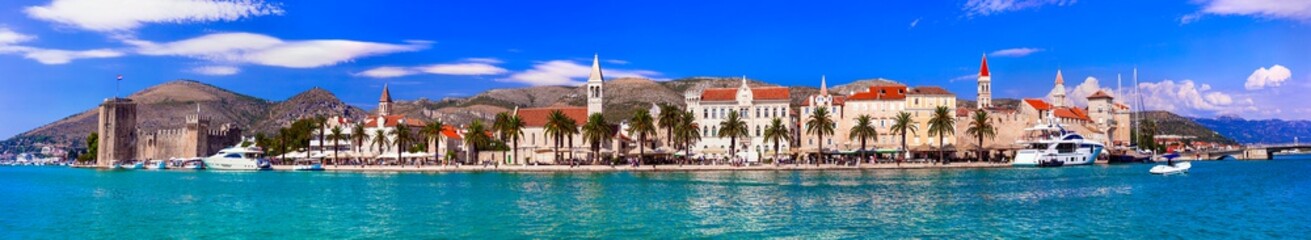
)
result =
(129, 165)
(1051, 145)
(1171, 167)
(238, 158)
(308, 165)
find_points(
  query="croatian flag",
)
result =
(120, 77)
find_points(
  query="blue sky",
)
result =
(1199, 58)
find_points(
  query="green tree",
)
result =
(476, 137)
(557, 125)
(320, 127)
(402, 137)
(981, 127)
(863, 131)
(92, 148)
(733, 127)
(668, 119)
(500, 124)
(641, 125)
(903, 125)
(433, 132)
(514, 130)
(687, 133)
(358, 138)
(380, 140)
(776, 132)
(336, 136)
(820, 124)
(596, 132)
(942, 124)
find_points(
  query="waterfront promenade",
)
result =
(650, 168)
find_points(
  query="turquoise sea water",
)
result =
(1226, 199)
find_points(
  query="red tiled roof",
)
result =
(886, 92)
(1038, 104)
(1072, 113)
(964, 112)
(392, 120)
(1122, 106)
(770, 93)
(1099, 94)
(983, 70)
(929, 90)
(450, 133)
(730, 94)
(536, 117)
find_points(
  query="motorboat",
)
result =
(129, 165)
(1171, 167)
(193, 164)
(238, 158)
(308, 165)
(1129, 155)
(1050, 145)
(156, 164)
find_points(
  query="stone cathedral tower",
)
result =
(985, 85)
(595, 88)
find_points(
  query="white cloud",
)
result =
(240, 48)
(1014, 52)
(124, 15)
(990, 7)
(1273, 77)
(463, 69)
(11, 37)
(1190, 98)
(1079, 95)
(565, 72)
(914, 23)
(967, 77)
(616, 61)
(386, 72)
(1276, 9)
(216, 70)
(47, 56)
(484, 60)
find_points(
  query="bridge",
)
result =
(1253, 152)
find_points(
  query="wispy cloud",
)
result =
(9, 40)
(1014, 52)
(216, 70)
(565, 72)
(105, 16)
(468, 67)
(251, 48)
(990, 7)
(616, 62)
(970, 77)
(914, 23)
(1298, 10)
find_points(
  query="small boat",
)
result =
(1051, 162)
(157, 165)
(129, 165)
(308, 165)
(1170, 167)
(193, 164)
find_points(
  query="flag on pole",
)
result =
(120, 77)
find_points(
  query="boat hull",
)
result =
(1178, 168)
(236, 164)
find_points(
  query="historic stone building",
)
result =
(757, 106)
(117, 131)
(537, 147)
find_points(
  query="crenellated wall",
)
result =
(196, 139)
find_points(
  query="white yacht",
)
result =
(238, 158)
(1051, 145)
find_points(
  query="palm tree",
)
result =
(820, 124)
(941, 124)
(555, 128)
(733, 127)
(669, 118)
(776, 132)
(687, 132)
(641, 125)
(380, 140)
(904, 124)
(335, 135)
(476, 135)
(569, 130)
(433, 132)
(596, 132)
(514, 131)
(403, 136)
(980, 127)
(284, 141)
(320, 126)
(358, 137)
(863, 130)
(499, 124)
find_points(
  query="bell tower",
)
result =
(384, 102)
(985, 85)
(595, 88)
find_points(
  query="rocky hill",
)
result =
(1271, 131)
(1172, 124)
(167, 105)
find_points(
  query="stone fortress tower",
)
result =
(117, 131)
